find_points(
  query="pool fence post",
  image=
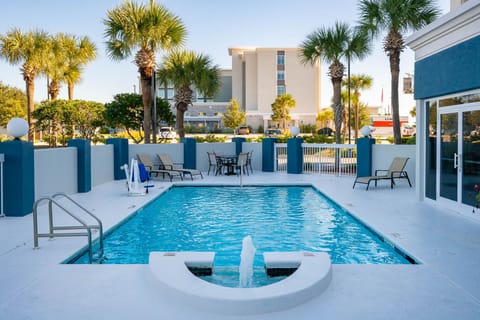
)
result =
(120, 156)
(18, 176)
(268, 154)
(84, 163)
(294, 155)
(238, 144)
(364, 156)
(189, 153)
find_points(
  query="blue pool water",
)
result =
(217, 218)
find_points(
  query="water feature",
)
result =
(246, 262)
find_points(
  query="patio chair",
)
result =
(148, 163)
(242, 163)
(214, 163)
(395, 171)
(249, 161)
(167, 163)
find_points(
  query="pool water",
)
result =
(217, 218)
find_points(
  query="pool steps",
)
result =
(311, 278)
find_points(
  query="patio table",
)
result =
(229, 161)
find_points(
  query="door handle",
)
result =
(455, 160)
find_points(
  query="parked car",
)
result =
(243, 130)
(273, 132)
(408, 130)
(167, 133)
(326, 131)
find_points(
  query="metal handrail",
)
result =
(84, 225)
(100, 225)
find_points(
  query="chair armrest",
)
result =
(165, 167)
(399, 173)
(178, 164)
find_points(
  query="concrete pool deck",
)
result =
(34, 285)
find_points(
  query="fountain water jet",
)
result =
(246, 262)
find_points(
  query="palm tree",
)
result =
(395, 17)
(54, 69)
(78, 52)
(31, 50)
(358, 82)
(185, 70)
(332, 45)
(280, 109)
(132, 26)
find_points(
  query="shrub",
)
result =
(210, 138)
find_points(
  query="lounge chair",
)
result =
(396, 171)
(148, 163)
(167, 163)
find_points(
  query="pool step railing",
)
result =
(59, 231)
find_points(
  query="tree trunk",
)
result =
(53, 89)
(179, 119)
(338, 109)
(395, 72)
(70, 91)
(357, 101)
(30, 88)
(147, 106)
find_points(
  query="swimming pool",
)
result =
(216, 218)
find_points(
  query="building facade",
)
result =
(259, 75)
(447, 91)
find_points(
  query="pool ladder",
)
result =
(53, 229)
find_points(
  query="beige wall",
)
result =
(257, 84)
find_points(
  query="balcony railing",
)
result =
(336, 159)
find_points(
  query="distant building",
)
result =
(259, 75)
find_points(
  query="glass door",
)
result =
(470, 175)
(449, 165)
(459, 154)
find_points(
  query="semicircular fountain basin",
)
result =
(312, 276)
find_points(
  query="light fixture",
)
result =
(17, 128)
(295, 131)
(366, 130)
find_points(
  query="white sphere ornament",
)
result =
(365, 131)
(295, 131)
(17, 127)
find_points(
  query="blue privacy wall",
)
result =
(455, 69)
(268, 154)
(189, 153)
(84, 163)
(238, 144)
(120, 156)
(18, 177)
(294, 155)
(364, 156)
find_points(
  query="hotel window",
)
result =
(280, 74)
(166, 94)
(280, 58)
(281, 90)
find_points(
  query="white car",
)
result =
(167, 133)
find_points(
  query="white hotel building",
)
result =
(257, 77)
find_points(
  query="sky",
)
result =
(212, 26)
